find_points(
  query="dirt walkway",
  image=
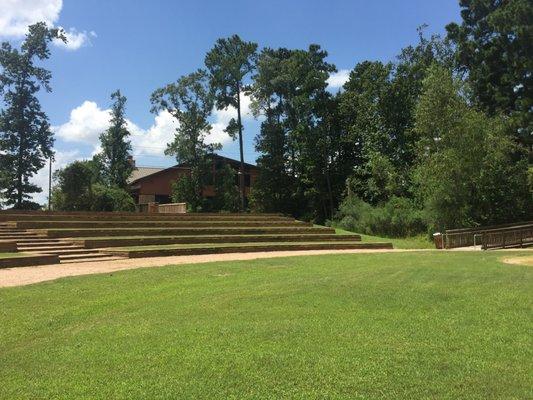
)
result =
(27, 275)
(525, 260)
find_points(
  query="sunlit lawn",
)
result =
(413, 325)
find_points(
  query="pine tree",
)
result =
(116, 168)
(26, 139)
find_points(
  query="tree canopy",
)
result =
(26, 140)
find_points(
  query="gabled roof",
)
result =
(143, 172)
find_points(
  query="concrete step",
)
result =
(40, 241)
(64, 251)
(93, 259)
(21, 237)
(182, 250)
(49, 248)
(85, 256)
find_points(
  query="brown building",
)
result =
(149, 184)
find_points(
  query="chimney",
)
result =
(131, 161)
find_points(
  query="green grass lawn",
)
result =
(414, 325)
(13, 254)
(413, 242)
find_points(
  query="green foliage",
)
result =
(78, 188)
(229, 62)
(398, 217)
(299, 137)
(106, 198)
(26, 139)
(190, 100)
(115, 166)
(494, 47)
(185, 190)
(226, 192)
(377, 111)
(73, 189)
(470, 172)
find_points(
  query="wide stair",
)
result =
(78, 237)
(38, 243)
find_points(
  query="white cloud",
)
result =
(75, 39)
(221, 118)
(62, 158)
(16, 15)
(153, 141)
(87, 121)
(337, 79)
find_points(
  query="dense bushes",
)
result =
(78, 189)
(397, 217)
(111, 199)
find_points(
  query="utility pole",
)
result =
(50, 186)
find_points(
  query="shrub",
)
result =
(398, 217)
(111, 199)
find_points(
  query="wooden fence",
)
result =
(494, 236)
(507, 237)
(172, 208)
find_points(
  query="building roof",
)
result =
(143, 172)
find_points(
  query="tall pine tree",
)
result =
(116, 149)
(25, 137)
(229, 62)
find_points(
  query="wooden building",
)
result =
(148, 184)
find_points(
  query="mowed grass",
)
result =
(413, 325)
(412, 242)
(13, 255)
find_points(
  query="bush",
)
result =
(111, 199)
(398, 217)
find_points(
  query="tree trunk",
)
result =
(19, 172)
(241, 169)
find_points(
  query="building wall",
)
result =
(158, 187)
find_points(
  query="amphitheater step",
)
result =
(167, 240)
(77, 233)
(41, 240)
(155, 224)
(93, 259)
(162, 251)
(52, 248)
(64, 251)
(96, 256)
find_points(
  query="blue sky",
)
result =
(137, 46)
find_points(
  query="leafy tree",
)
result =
(25, 137)
(377, 110)
(111, 198)
(469, 172)
(189, 100)
(495, 49)
(226, 192)
(116, 168)
(184, 190)
(73, 189)
(80, 188)
(297, 139)
(229, 62)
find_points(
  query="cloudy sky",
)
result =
(140, 45)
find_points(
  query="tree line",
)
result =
(440, 137)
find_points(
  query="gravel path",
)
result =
(27, 275)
